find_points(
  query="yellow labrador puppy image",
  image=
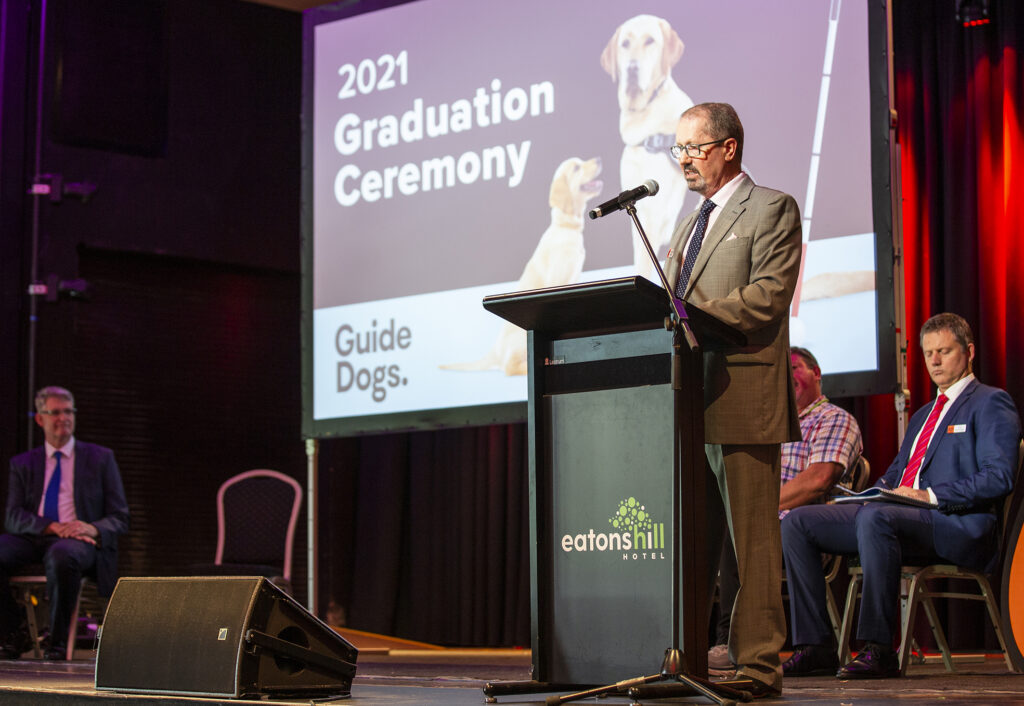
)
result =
(557, 260)
(639, 57)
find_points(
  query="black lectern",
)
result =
(615, 414)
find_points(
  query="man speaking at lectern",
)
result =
(738, 257)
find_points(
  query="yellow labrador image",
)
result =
(557, 260)
(639, 57)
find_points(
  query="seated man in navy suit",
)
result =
(65, 509)
(960, 452)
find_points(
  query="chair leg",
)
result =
(916, 652)
(30, 618)
(993, 614)
(914, 594)
(847, 624)
(833, 612)
(910, 603)
(73, 628)
(937, 631)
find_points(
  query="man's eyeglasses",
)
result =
(692, 150)
(69, 412)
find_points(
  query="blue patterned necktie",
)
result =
(694, 249)
(50, 507)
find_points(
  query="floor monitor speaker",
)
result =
(225, 636)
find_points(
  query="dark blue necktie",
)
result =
(50, 507)
(694, 249)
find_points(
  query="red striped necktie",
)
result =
(910, 475)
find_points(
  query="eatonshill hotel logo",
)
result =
(634, 535)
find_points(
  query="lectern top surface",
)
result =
(623, 304)
(627, 303)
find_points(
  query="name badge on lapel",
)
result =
(956, 428)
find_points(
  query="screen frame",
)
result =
(883, 379)
(884, 171)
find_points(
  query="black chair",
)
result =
(29, 586)
(256, 516)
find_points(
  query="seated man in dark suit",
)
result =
(65, 509)
(960, 452)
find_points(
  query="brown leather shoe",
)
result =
(758, 689)
(811, 661)
(873, 662)
(754, 688)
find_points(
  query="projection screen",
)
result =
(452, 147)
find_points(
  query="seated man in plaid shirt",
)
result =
(810, 468)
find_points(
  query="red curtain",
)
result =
(959, 96)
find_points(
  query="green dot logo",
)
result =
(631, 516)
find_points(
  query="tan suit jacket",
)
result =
(745, 275)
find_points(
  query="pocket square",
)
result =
(732, 236)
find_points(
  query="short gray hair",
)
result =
(722, 122)
(53, 391)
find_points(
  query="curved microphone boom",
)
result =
(648, 188)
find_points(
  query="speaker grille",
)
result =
(166, 633)
(217, 636)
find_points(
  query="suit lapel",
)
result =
(731, 212)
(38, 465)
(939, 435)
(82, 480)
(676, 249)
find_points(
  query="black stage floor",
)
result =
(456, 677)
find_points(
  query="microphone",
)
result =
(648, 188)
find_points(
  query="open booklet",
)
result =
(879, 495)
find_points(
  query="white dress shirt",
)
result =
(951, 393)
(719, 198)
(66, 495)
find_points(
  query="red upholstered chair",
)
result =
(257, 512)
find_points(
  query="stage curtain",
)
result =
(959, 96)
(424, 535)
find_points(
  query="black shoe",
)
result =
(17, 644)
(55, 653)
(811, 661)
(873, 662)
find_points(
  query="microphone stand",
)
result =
(691, 598)
(675, 304)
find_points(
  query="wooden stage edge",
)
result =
(369, 643)
(394, 672)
